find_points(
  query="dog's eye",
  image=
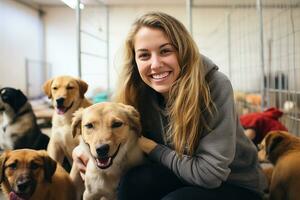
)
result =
(34, 165)
(54, 88)
(13, 166)
(116, 124)
(89, 126)
(70, 87)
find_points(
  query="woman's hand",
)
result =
(80, 159)
(146, 144)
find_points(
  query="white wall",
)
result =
(20, 38)
(60, 40)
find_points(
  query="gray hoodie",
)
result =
(224, 153)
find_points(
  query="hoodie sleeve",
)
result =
(209, 166)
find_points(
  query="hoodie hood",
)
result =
(209, 66)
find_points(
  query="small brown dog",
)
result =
(282, 149)
(32, 175)
(111, 132)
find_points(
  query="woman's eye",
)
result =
(116, 124)
(143, 56)
(165, 51)
(89, 126)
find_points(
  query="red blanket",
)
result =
(263, 122)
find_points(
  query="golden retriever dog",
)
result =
(67, 95)
(282, 149)
(27, 174)
(111, 132)
(19, 128)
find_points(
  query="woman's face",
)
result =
(156, 59)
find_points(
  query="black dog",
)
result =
(19, 128)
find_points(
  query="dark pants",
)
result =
(154, 182)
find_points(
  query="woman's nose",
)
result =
(156, 61)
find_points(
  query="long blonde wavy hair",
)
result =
(189, 95)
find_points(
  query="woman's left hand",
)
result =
(146, 144)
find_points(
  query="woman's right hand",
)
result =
(80, 159)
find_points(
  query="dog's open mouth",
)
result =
(62, 109)
(106, 162)
(18, 196)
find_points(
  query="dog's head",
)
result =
(65, 92)
(109, 129)
(275, 144)
(21, 171)
(11, 99)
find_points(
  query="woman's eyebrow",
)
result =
(165, 45)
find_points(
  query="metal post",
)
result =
(229, 44)
(107, 49)
(189, 4)
(261, 48)
(78, 24)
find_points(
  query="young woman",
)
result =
(191, 134)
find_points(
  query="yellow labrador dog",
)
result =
(29, 174)
(67, 95)
(111, 131)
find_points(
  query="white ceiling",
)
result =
(42, 3)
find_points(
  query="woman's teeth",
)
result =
(160, 76)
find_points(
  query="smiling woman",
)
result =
(194, 141)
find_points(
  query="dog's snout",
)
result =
(60, 102)
(23, 183)
(103, 150)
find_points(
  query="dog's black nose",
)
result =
(60, 102)
(103, 150)
(23, 184)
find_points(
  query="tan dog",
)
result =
(67, 94)
(111, 131)
(282, 149)
(32, 175)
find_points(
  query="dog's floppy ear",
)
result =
(134, 118)
(83, 86)
(3, 159)
(47, 88)
(273, 149)
(76, 122)
(49, 165)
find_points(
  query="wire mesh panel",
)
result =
(261, 55)
(282, 59)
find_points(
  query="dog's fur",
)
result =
(30, 174)
(67, 95)
(282, 149)
(19, 127)
(111, 131)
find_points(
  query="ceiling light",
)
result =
(73, 4)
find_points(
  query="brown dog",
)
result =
(32, 175)
(67, 94)
(111, 132)
(282, 149)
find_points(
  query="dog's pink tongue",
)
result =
(60, 111)
(14, 196)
